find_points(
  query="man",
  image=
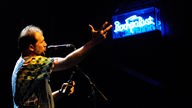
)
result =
(31, 75)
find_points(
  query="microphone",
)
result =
(62, 45)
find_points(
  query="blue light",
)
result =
(136, 22)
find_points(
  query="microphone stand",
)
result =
(93, 87)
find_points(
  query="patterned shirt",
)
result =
(30, 83)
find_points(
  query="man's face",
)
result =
(41, 45)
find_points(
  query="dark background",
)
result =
(149, 70)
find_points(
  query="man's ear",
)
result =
(31, 47)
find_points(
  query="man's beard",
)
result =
(43, 53)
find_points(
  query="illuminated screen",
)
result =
(136, 22)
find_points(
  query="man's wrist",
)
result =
(62, 93)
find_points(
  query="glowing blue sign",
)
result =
(136, 22)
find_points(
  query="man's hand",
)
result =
(68, 88)
(102, 32)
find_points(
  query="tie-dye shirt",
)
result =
(30, 83)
